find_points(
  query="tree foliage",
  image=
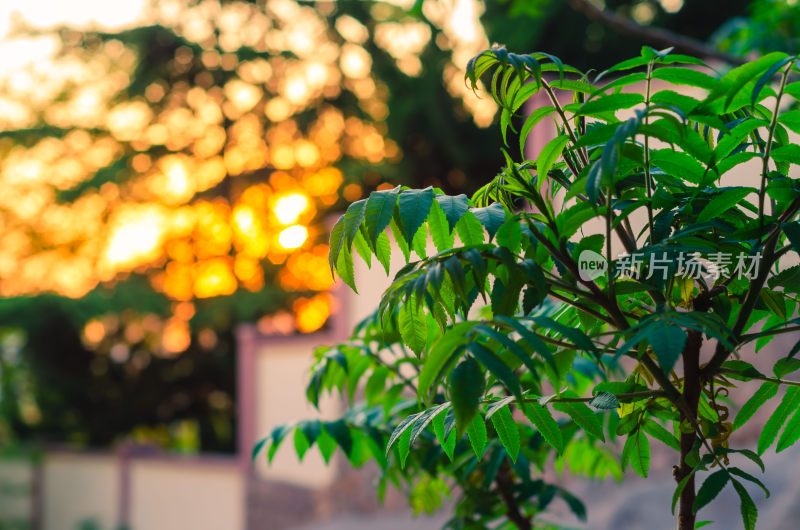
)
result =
(501, 343)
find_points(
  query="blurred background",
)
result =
(168, 171)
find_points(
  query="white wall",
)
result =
(77, 488)
(174, 495)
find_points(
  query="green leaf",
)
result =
(344, 268)
(791, 119)
(414, 206)
(440, 230)
(353, 218)
(413, 325)
(548, 156)
(764, 393)
(535, 117)
(575, 335)
(637, 452)
(785, 366)
(775, 301)
(301, 444)
(786, 153)
(509, 235)
(790, 434)
(660, 433)
(447, 440)
(379, 210)
(258, 447)
(476, 432)
(788, 404)
(466, 386)
(541, 418)
(792, 231)
(609, 103)
(583, 416)
(336, 242)
(454, 208)
(710, 489)
(747, 506)
(442, 352)
(491, 217)
(340, 432)
(723, 202)
(507, 430)
(747, 476)
(604, 401)
(424, 419)
(685, 76)
(668, 342)
(470, 230)
(679, 164)
(375, 384)
(402, 427)
(496, 367)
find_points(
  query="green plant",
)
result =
(563, 356)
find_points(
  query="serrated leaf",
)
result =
(541, 418)
(637, 452)
(604, 401)
(609, 103)
(548, 156)
(764, 393)
(723, 202)
(792, 231)
(789, 403)
(667, 342)
(790, 434)
(496, 367)
(491, 217)
(439, 228)
(509, 235)
(530, 122)
(685, 76)
(476, 432)
(791, 119)
(402, 427)
(507, 430)
(660, 433)
(466, 387)
(447, 440)
(441, 354)
(413, 324)
(454, 208)
(413, 208)
(747, 506)
(378, 213)
(711, 487)
(424, 420)
(470, 230)
(583, 416)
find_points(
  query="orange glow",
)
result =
(289, 207)
(214, 277)
(293, 237)
(135, 240)
(176, 337)
(312, 313)
(182, 206)
(94, 332)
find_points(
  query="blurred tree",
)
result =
(169, 175)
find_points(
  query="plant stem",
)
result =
(692, 388)
(564, 120)
(768, 148)
(505, 485)
(647, 179)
